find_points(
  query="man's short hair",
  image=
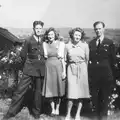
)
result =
(38, 23)
(99, 22)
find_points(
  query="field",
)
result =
(113, 34)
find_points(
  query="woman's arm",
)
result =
(45, 50)
(63, 64)
(61, 55)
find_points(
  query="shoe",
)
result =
(77, 118)
(67, 118)
(57, 112)
(36, 117)
(53, 113)
(31, 117)
(42, 118)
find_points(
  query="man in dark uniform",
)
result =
(101, 63)
(33, 73)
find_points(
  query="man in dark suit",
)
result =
(33, 73)
(101, 63)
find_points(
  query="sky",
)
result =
(59, 13)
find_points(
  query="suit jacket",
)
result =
(103, 56)
(33, 57)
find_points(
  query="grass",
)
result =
(24, 114)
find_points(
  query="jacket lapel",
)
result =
(94, 44)
(103, 42)
(33, 40)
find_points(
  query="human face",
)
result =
(51, 36)
(77, 36)
(38, 30)
(99, 30)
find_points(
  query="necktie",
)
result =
(38, 40)
(98, 43)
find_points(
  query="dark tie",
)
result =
(38, 40)
(98, 43)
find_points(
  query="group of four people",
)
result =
(50, 60)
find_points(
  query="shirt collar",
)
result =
(101, 38)
(37, 38)
(77, 45)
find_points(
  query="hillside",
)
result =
(113, 34)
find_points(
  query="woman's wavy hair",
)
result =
(45, 37)
(72, 31)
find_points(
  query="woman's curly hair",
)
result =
(72, 31)
(45, 37)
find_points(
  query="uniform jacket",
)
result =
(104, 56)
(32, 55)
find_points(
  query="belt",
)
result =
(76, 62)
(76, 69)
(32, 56)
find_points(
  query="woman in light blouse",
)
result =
(77, 56)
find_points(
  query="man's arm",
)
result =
(87, 53)
(112, 54)
(24, 51)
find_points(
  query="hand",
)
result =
(118, 56)
(63, 75)
(116, 65)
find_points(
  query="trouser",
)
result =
(12, 84)
(101, 82)
(100, 98)
(19, 97)
(15, 74)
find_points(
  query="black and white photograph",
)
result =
(59, 60)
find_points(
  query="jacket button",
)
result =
(90, 62)
(97, 62)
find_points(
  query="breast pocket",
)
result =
(105, 49)
(34, 49)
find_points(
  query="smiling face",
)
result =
(51, 36)
(99, 30)
(77, 36)
(38, 30)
